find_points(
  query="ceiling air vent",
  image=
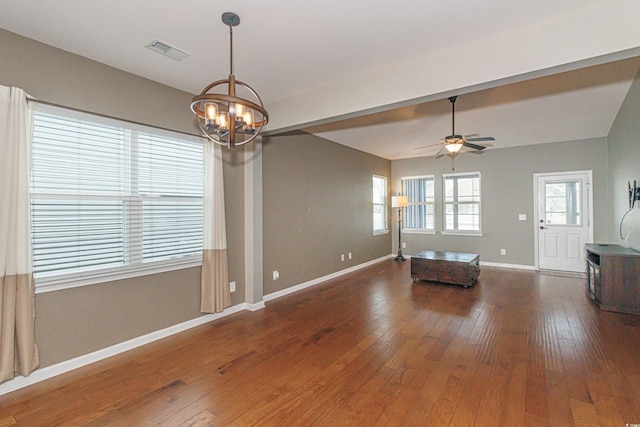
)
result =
(167, 50)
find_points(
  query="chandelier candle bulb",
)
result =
(248, 120)
(223, 120)
(211, 115)
(239, 113)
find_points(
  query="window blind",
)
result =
(108, 194)
(420, 214)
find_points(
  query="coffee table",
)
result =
(447, 267)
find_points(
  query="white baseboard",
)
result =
(255, 307)
(497, 264)
(296, 288)
(512, 266)
(78, 362)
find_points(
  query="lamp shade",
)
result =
(399, 201)
(453, 148)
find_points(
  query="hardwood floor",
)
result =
(374, 349)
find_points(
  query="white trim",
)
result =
(511, 266)
(94, 277)
(418, 231)
(255, 307)
(425, 203)
(418, 177)
(132, 264)
(536, 207)
(301, 286)
(497, 265)
(86, 359)
(385, 203)
(450, 231)
(461, 233)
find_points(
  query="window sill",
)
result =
(379, 232)
(460, 233)
(94, 277)
(414, 231)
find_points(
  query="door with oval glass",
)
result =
(563, 220)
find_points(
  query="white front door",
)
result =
(563, 220)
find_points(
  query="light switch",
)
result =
(522, 217)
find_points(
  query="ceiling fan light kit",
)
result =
(226, 118)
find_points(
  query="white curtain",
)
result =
(215, 294)
(18, 350)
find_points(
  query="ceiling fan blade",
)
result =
(427, 146)
(442, 152)
(474, 146)
(482, 138)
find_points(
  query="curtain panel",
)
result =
(18, 350)
(215, 294)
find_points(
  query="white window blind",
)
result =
(419, 213)
(462, 202)
(111, 195)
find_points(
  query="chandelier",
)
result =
(226, 118)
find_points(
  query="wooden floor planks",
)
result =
(371, 348)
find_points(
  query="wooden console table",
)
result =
(448, 267)
(613, 277)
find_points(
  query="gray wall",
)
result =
(507, 190)
(624, 166)
(77, 321)
(317, 205)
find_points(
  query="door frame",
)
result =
(536, 210)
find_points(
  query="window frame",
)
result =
(134, 264)
(384, 204)
(456, 231)
(425, 203)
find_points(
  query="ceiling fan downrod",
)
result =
(452, 99)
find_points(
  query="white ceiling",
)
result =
(292, 51)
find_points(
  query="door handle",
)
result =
(542, 227)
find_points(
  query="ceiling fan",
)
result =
(454, 143)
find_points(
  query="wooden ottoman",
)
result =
(448, 267)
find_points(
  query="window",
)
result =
(110, 197)
(419, 213)
(379, 205)
(562, 203)
(462, 202)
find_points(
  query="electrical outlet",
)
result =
(276, 274)
(503, 251)
(404, 245)
(232, 286)
(341, 257)
(349, 255)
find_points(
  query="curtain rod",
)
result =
(66, 107)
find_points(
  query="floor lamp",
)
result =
(399, 202)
